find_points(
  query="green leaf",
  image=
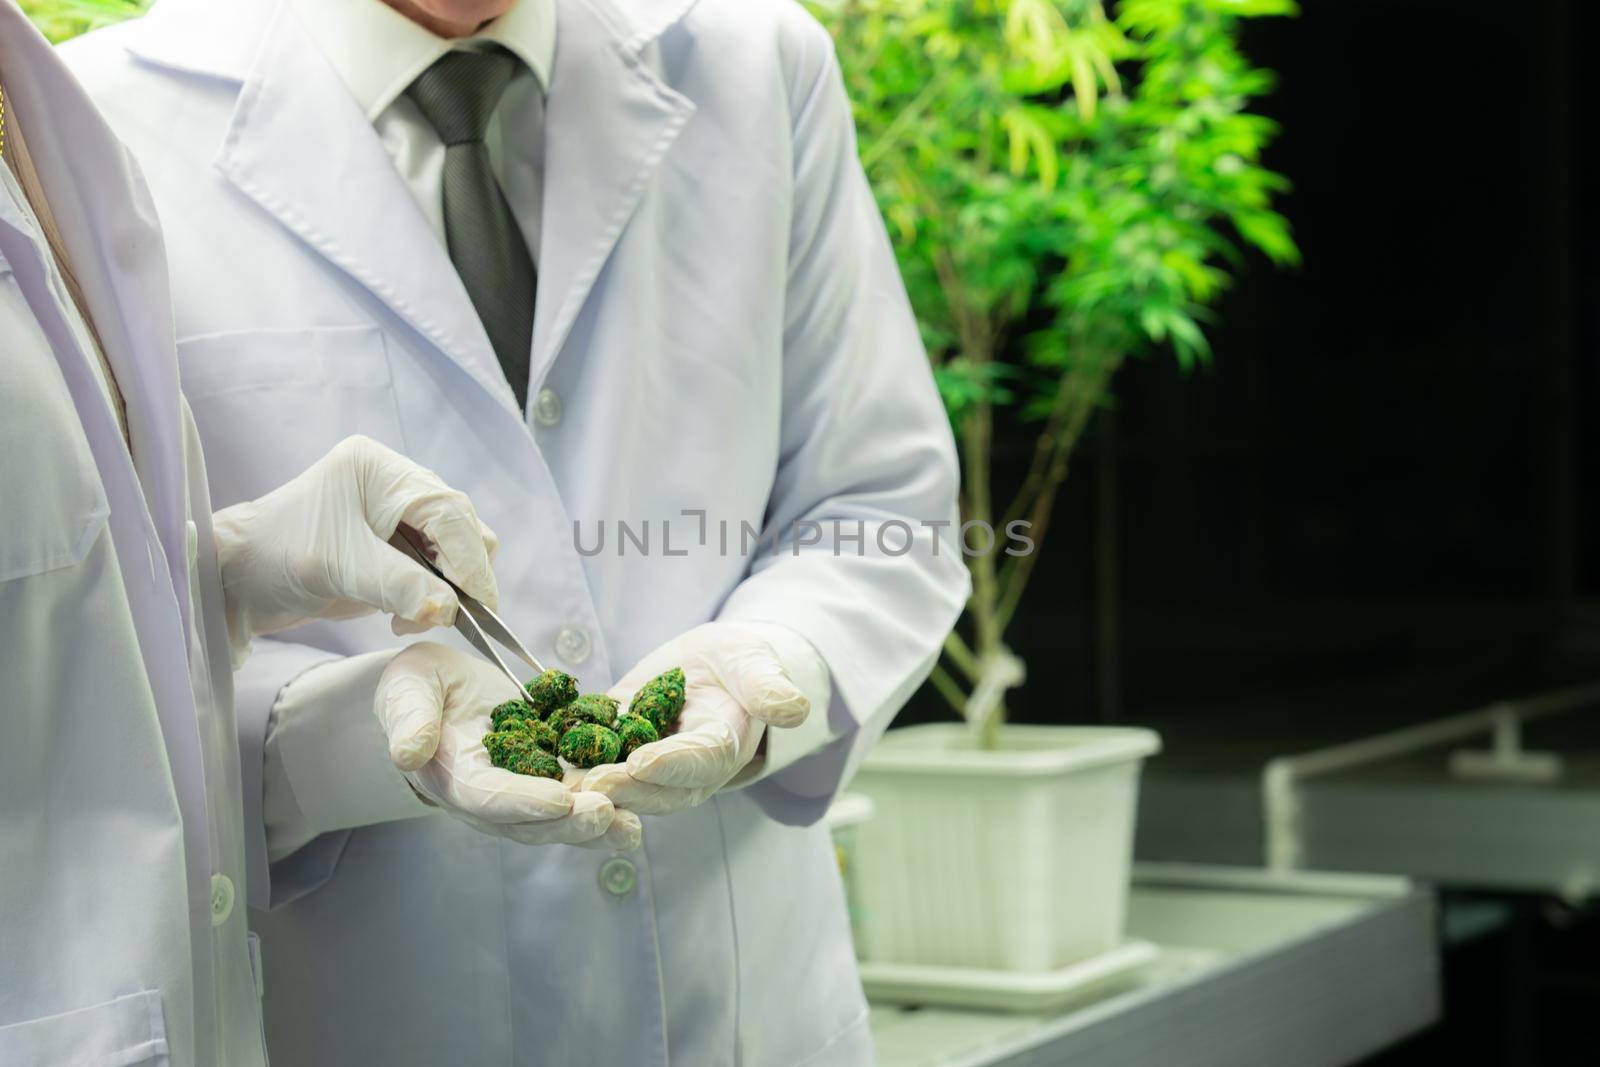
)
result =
(1028, 139)
(1269, 232)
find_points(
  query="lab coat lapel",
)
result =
(120, 263)
(299, 146)
(609, 121)
(114, 244)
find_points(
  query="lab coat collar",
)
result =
(636, 23)
(208, 38)
(114, 243)
(300, 147)
(609, 121)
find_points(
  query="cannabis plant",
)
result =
(1068, 184)
(61, 19)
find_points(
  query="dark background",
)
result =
(1387, 477)
(1386, 471)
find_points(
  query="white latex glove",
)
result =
(434, 704)
(736, 686)
(317, 547)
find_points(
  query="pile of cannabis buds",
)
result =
(526, 736)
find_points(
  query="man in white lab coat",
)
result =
(122, 607)
(701, 334)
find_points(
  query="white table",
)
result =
(1255, 970)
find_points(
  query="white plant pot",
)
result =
(1012, 859)
(844, 819)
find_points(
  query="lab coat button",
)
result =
(221, 899)
(572, 643)
(547, 408)
(618, 876)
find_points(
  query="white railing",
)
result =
(1283, 776)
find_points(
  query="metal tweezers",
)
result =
(474, 621)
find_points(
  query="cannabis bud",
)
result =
(510, 710)
(590, 745)
(515, 749)
(660, 699)
(547, 737)
(591, 707)
(551, 690)
(503, 744)
(537, 764)
(635, 730)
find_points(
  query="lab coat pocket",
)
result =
(126, 1032)
(54, 504)
(269, 403)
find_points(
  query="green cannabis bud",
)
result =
(660, 699)
(591, 707)
(589, 745)
(551, 690)
(509, 711)
(524, 746)
(536, 763)
(508, 745)
(545, 736)
(635, 730)
(501, 744)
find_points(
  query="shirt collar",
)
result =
(377, 52)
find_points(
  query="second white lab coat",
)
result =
(722, 326)
(121, 837)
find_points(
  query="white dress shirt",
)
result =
(378, 52)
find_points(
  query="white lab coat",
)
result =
(119, 774)
(720, 317)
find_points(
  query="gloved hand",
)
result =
(317, 546)
(736, 686)
(434, 703)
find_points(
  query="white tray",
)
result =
(1026, 991)
(1255, 970)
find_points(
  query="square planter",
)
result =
(1012, 859)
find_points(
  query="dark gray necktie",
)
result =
(458, 95)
